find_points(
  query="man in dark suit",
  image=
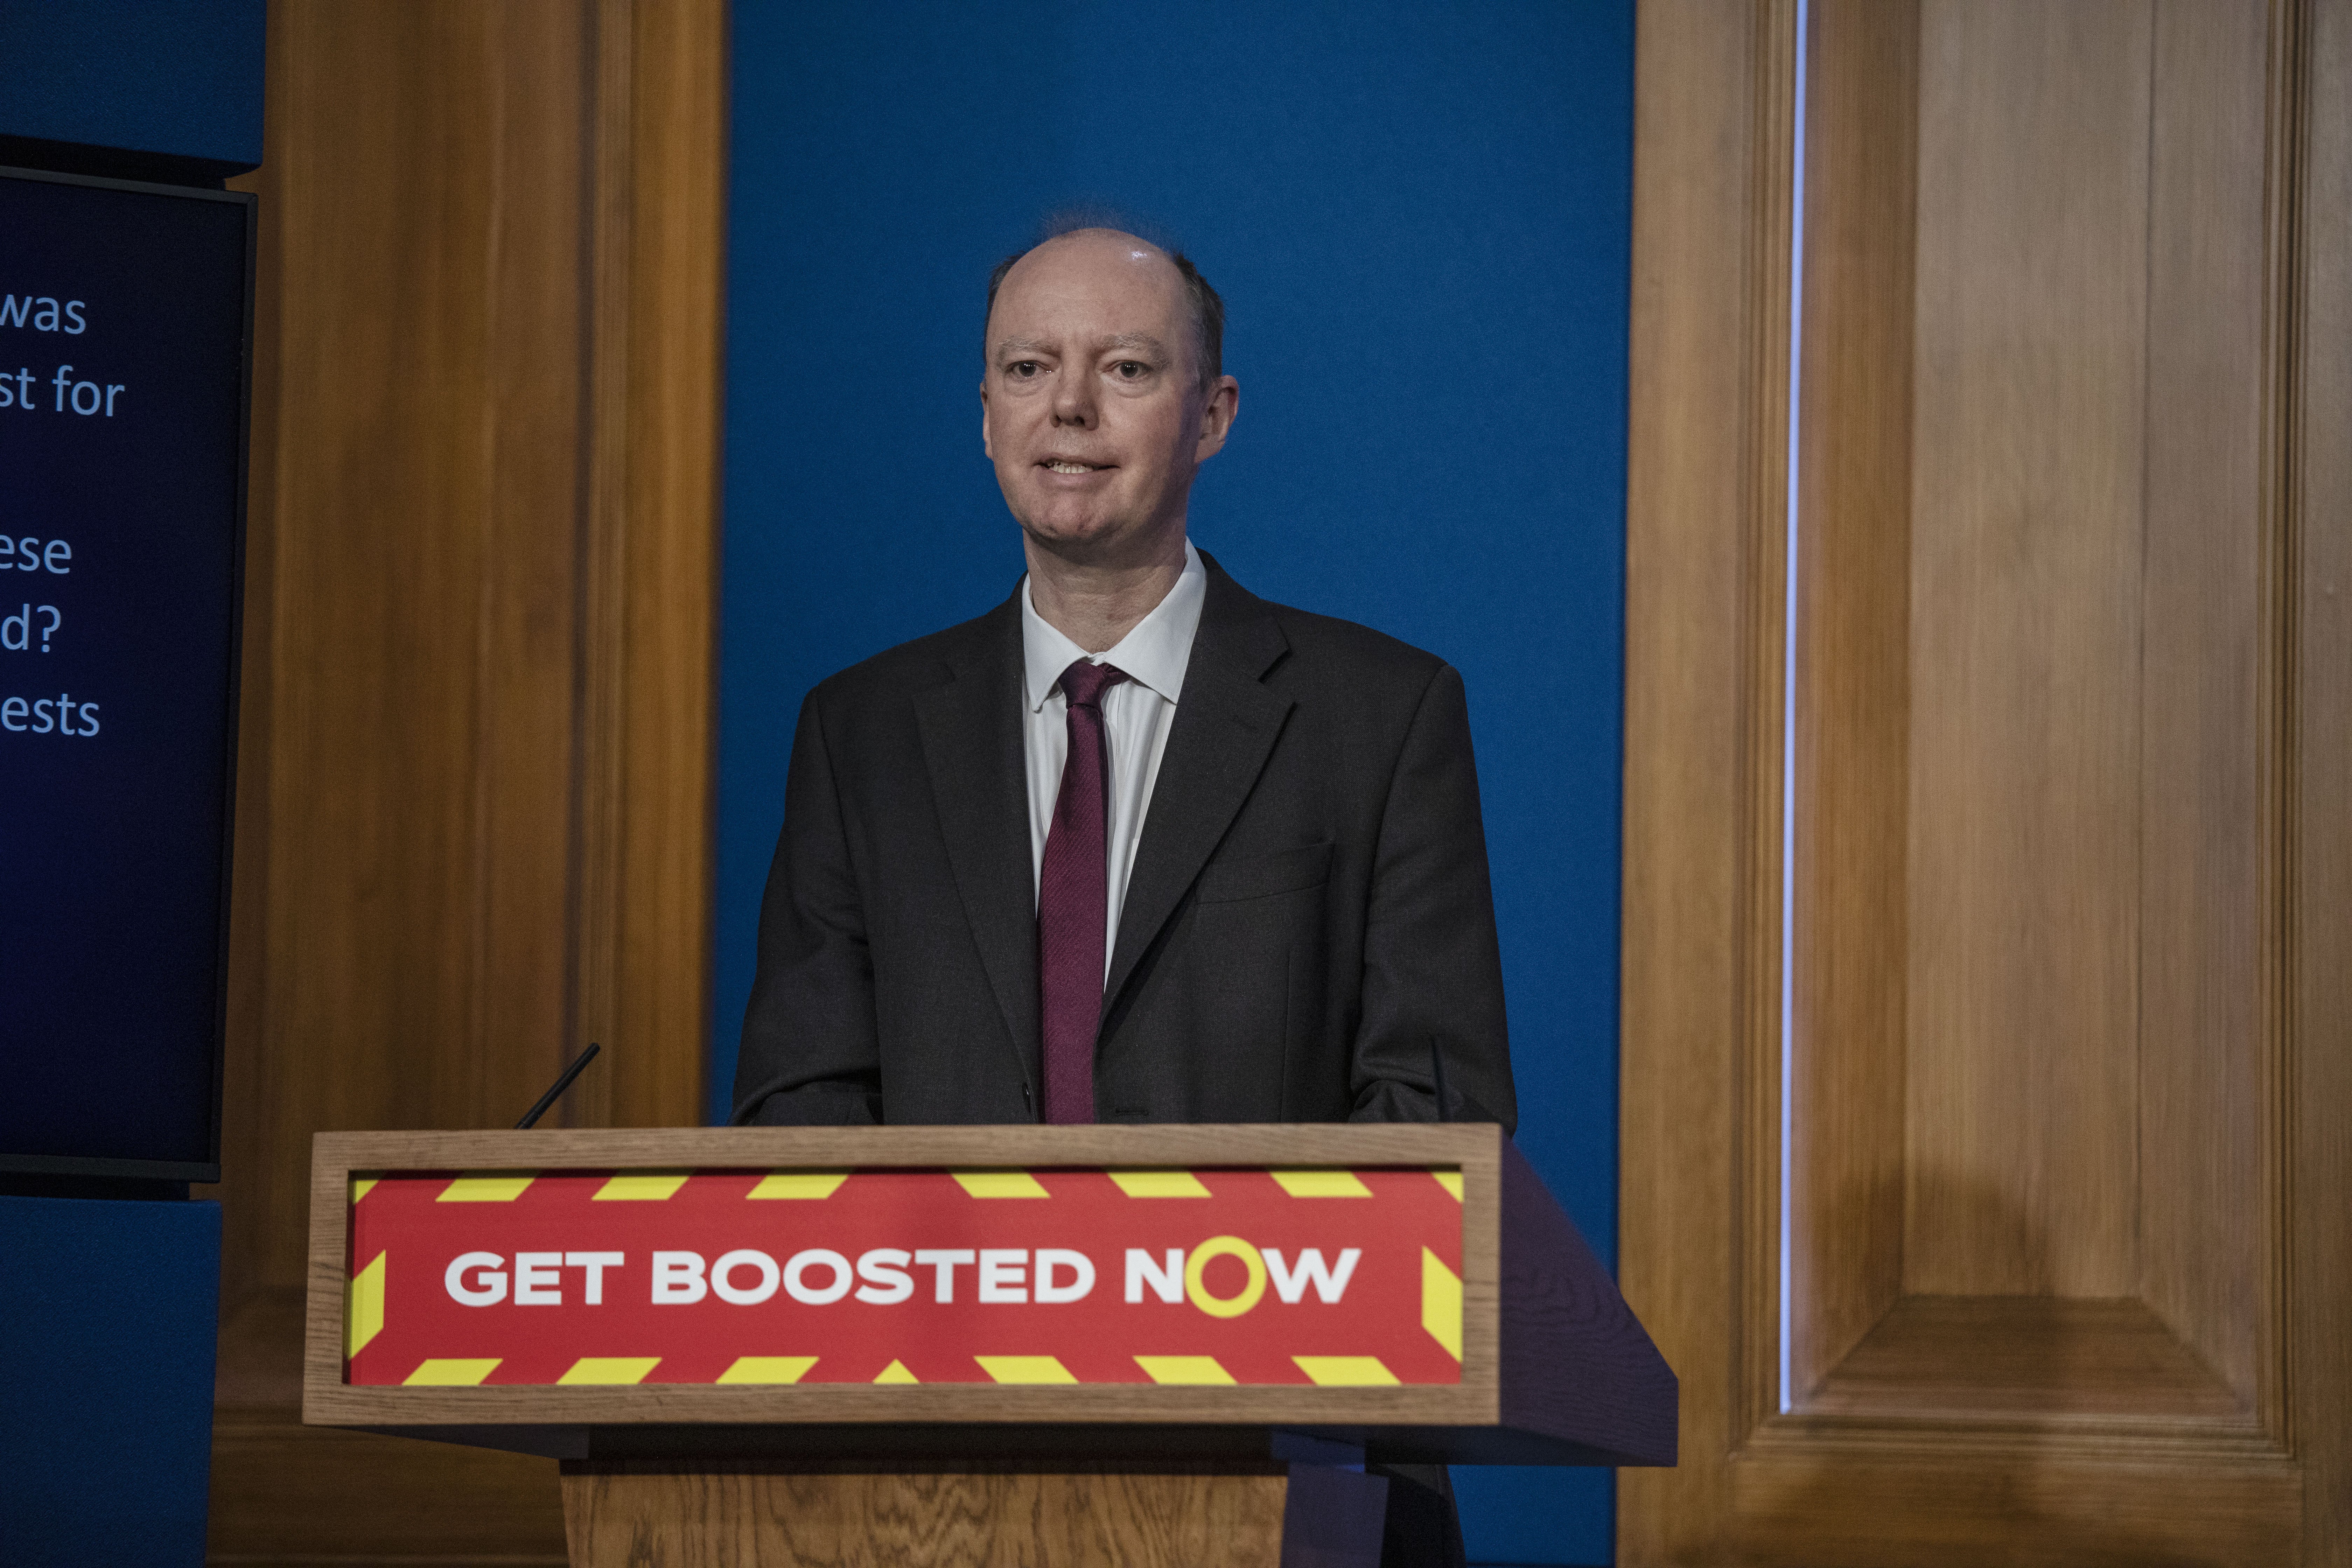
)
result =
(1136, 845)
(1301, 913)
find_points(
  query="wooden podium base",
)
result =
(649, 1514)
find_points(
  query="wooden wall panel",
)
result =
(1853, 720)
(2025, 627)
(2308, 407)
(1703, 479)
(1701, 483)
(473, 822)
(2096, 644)
(646, 899)
(2203, 885)
(427, 482)
(1918, 1509)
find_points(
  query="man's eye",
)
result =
(1131, 370)
(1022, 369)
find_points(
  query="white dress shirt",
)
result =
(1136, 715)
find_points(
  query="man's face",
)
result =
(1092, 408)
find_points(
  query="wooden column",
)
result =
(473, 817)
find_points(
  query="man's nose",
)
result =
(1073, 398)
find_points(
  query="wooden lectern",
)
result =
(1113, 1344)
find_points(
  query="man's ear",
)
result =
(1218, 411)
(987, 449)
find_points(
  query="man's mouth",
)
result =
(1068, 466)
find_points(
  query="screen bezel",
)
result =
(207, 1170)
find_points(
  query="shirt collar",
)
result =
(1154, 653)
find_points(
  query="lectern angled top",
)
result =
(581, 1293)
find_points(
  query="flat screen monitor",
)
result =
(125, 341)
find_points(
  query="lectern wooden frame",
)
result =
(1552, 1367)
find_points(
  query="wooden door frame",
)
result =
(1700, 1109)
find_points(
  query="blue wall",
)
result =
(108, 1311)
(179, 77)
(109, 1307)
(1418, 215)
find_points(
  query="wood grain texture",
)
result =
(476, 708)
(2309, 389)
(1865, 1508)
(1853, 545)
(649, 576)
(2027, 450)
(1473, 1146)
(1710, 193)
(618, 1518)
(2134, 1115)
(2208, 737)
(287, 1495)
(1972, 1358)
(413, 424)
(2193, 882)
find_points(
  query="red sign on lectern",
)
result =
(1202, 1276)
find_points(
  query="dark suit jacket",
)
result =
(1309, 908)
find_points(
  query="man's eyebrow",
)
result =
(1142, 341)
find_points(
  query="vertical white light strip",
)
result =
(1789, 686)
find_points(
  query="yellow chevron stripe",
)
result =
(1451, 1181)
(438, 1374)
(1186, 1370)
(1346, 1371)
(1001, 1184)
(798, 1184)
(897, 1372)
(364, 1306)
(1159, 1183)
(487, 1187)
(769, 1369)
(362, 1185)
(1024, 1369)
(611, 1369)
(1440, 1304)
(641, 1188)
(1321, 1183)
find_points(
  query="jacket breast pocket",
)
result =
(1265, 876)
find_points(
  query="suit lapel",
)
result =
(972, 741)
(1224, 727)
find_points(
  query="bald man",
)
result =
(1136, 845)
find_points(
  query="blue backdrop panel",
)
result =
(108, 1310)
(1419, 218)
(182, 78)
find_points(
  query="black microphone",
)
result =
(1437, 1076)
(556, 1090)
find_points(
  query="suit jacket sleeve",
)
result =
(1432, 968)
(810, 1054)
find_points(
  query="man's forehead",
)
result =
(1103, 242)
(1096, 258)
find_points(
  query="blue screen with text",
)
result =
(123, 385)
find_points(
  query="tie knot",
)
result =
(1085, 681)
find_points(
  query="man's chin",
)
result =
(1097, 531)
(1081, 537)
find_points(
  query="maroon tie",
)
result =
(1074, 902)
